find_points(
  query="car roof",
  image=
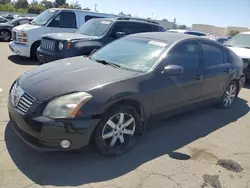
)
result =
(121, 19)
(246, 32)
(184, 30)
(164, 36)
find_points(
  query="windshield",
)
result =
(95, 27)
(131, 53)
(43, 18)
(240, 40)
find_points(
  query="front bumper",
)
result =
(45, 134)
(19, 49)
(46, 57)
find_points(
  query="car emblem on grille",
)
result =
(16, 94)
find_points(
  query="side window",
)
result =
(122, 27)
(64, 20)
(141, 27)
(185, 55)
(88, 17)
(212, 54)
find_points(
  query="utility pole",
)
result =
(95, 7)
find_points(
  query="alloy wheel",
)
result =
(5, 36)
(118, 129)
(230, 95)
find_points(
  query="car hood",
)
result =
(69, 75)
(26, 27)
(69, 36)
(241, 52)
(5, 25)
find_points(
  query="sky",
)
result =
(215, 12)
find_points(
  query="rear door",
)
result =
(217, 69)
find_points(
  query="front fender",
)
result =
(85, 47)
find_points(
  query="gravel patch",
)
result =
(212, 180)
(230, 165)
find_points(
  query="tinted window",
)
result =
(65, 20)
(88, 17)
(185, 55)
(126, 27)
(212, 54)
(194, 33)
(133, 27)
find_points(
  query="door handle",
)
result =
(198, 77)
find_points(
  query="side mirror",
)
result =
(173, 70)
(119, 34)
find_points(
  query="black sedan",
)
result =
(108, 97)
(6, 28)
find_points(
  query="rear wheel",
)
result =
(229, 95)
(5, 35)
(117, 132)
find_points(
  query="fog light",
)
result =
(65, 144)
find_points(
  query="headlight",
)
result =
(60, 46)
(22, 40)
(66, 106)
(22, 34)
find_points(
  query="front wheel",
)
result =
(229, 95)
(5, 35)
(117, 132)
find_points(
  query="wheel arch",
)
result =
(33, 45)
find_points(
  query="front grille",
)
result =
(20, 99)
(48, 44)
(14, 35)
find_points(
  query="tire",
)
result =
(34, 47)
(231, 92)
(129, 131)
(5, 35)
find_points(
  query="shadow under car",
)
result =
(78, 168)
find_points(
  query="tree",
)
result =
(233, 32)
(36, 8)
(87, 9)
(5, 1)
(7, 7)
(21, 4)
(47, 4)
(59, 3)
(183, 27)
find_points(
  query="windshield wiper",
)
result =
(105, 62)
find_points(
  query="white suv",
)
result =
(26, 38)
(240, 44)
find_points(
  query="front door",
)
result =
(180, 90)
(65, 22)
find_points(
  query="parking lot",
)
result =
(181, 152)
